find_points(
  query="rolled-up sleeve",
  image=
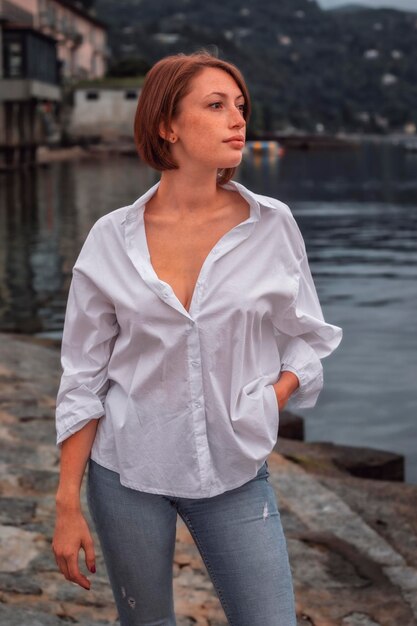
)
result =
(303, 338)
(90, 330)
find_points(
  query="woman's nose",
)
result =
(237, 118)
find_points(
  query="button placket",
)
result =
(197, 405)
(198, 288)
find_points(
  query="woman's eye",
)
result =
(217, 105)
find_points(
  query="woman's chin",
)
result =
(230, 162)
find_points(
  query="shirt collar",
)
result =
(138, 206)
(137, 247)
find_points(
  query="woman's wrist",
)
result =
(289, 382)
(68, 500)
(286, 385)
(75, 452)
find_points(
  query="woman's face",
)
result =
(208, 116)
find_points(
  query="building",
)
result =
(29, 80)
(81, 37)
(105, 112)
(43, 45)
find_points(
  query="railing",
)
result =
(12, 13)
(76, 37)
(60, 28)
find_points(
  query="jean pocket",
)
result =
(263, 471)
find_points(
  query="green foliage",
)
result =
(109, 82)
(131, 66)
(303, 65)
(87, 5)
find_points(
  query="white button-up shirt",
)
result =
(186, 400)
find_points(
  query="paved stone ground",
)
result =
(352, 542)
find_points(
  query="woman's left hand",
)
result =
(284, 387)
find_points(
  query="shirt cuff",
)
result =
(302, 360)
(74, 413)
(74, 428)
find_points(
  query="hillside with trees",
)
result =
(307, 69)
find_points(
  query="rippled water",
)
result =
(357, 210)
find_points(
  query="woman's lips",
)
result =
(236, 142)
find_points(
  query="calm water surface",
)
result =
(357, 210)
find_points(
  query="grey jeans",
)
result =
(238, 534)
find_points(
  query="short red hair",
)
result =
(166, 83)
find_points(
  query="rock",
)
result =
(38, 481)
(291, 426)
(324, 457)
(16, 511)
(34, 413)
(18, 547)
(10, 452)
(359, 619)
(20, 583)
(15, 616)
(44, 562)
(348, 557)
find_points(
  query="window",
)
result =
(52, 17)
(14, 59)
(64, 23)
(92, 95)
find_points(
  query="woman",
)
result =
(192, 318)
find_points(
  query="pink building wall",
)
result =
(82, 40)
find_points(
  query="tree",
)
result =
(130, 66)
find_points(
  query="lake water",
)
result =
(357, 210)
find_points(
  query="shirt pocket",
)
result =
(256, 414)
(271, 400)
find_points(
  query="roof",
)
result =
(82, 13)
(11, 27)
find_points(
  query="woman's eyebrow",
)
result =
(220, 93)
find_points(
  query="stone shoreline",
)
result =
(351, 540)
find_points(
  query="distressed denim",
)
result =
(238, 534)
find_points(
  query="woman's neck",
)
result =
(187, 196)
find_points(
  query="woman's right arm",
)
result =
(71, 529)
(89, 334)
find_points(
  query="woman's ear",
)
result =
(167, 133)
(161, 130)
(164, 133)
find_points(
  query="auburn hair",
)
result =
(165, 84)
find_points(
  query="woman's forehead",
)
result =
(214, 81)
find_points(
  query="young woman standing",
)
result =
(192, 319)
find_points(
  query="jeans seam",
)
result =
(206, 561)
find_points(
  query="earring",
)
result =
(172, 139)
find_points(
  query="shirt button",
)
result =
(197, 404)
(195, 363)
